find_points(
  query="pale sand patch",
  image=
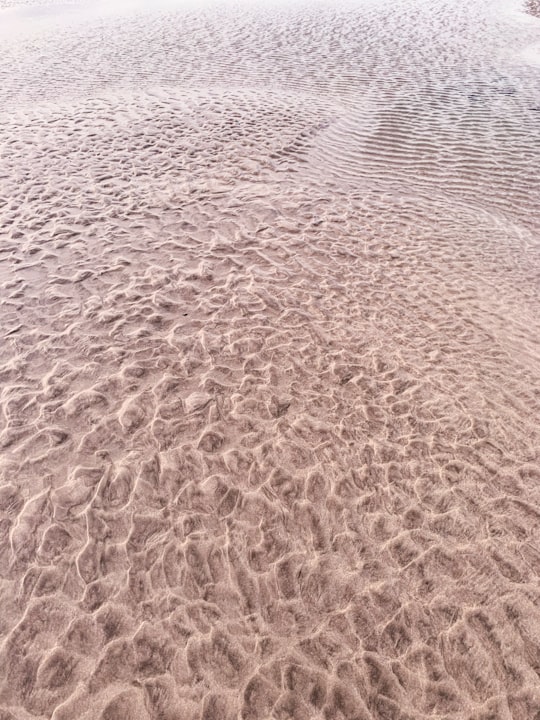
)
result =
(269, 366)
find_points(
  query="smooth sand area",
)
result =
(269, 362)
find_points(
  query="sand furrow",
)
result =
(269, 371)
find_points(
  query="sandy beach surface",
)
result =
(269, 361)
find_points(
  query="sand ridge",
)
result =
(269, 382)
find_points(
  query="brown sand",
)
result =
(269, 366)
(533, 7)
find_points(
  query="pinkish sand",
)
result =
(269, 362)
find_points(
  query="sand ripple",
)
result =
(269, 366)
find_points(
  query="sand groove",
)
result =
(269, 366)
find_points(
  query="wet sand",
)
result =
(269, 370)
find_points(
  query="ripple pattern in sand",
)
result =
(269, 367)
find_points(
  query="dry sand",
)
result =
(269, 365)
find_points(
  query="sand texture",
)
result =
(269, 364)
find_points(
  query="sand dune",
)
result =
(269, 366)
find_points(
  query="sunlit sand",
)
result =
(269, 370)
